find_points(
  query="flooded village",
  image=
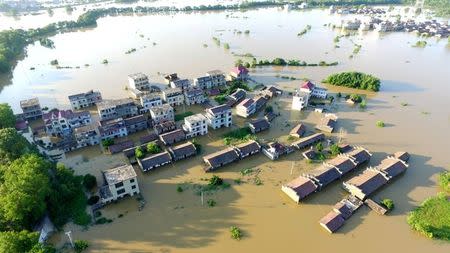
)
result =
(188, 145)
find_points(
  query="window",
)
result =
(132, 180)
(133, 187)
(120, 191)
(119, 184)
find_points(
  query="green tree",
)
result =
(24, 190)
(18, 242)
(89, 181)
(153, 148)
(319, 146)
(388, 203)
(139, 152)
(7, 118)
(80, 245)
(12, 145)
(335, 150)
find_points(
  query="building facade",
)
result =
(246, 108)
(87, 135)
(119, 108)
(112, 129)
(86, 99)
(119, 182)
(31, 108)
(162, 113)
(173, 96)
(194, 96)
(138, 81)
(150, 100)
(219, 116)
(195, 125)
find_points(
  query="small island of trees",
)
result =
(356, 80)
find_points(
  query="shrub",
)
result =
(220, 99)
(108, 142)
(363, 104)
(355, 80)
(80, 245)
(89, 182)
(355, 98)
(388, 203)
(380, 123)
(226, 46)
(335, 150)
(319, 146)
(153, 148)
(236, 233)
(215, 181)
(139, 152)
(444, 181)
(93, 200)
(54, 62)
(179, 189)
(211, 202)
(181, 116)
(268, 109)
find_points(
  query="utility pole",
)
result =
(202, 197)
(292, 167)
(69, 234)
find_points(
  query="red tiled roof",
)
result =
(240, 70)
(307, 85)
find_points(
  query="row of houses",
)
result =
(361, 187)
(231, 154)
(325, 174)
(168, 156)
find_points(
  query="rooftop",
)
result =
(219, 109)
(215, 72)
(138, 76)
(119, 174)
(29, 102)
(195, 118)
(161, 109)
(105, 104)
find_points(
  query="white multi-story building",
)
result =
(180, 83)
(119, 108)
(212, 79)
(150, 100)
(120, 181)
(246, 108)
(173, 96)
(61, 123)
(138, 81)
(239, 73)
(194, 96)
(219, 116)
(87, 135)
(313, 91)
(195, 125)
(162, 113)
(86, 99)
(300, 100)
(31, 108)
(112, 129)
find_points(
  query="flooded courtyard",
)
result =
(178, 222)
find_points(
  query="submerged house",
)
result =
(220, 158)
(298, 131)
(154, 161)
(274, 150)
(258, 125)
(332, 221)
(308, 140)
(248, 148)
(299, 188)
(175, 136)
(182, 151)
(120, 181)
(328, 123)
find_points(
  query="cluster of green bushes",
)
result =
(30, 187)
(150, 148)
(356, 80)
(183, 115)
(238, 135)
(295, 63)
(304, 31)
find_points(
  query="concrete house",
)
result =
(87, 135)
(194, 96)
(300, 100)
(327, 123)
(162, 113)
(308, 140)
(31, 108)
(238, 95)
(313, 91)
(298, 131)
(112, 129)
(150, 100)
(260, 101)
(172, 137)
(86, 99)
(136, 123)
(239, 73)
(120, 181)
(246, 108)
(154, 161)
(299, 188)
(195, 125)
(182, 151)
(180, 83)
(173, 96)
(119, 108)
(138, 81)
(220, 158)
(259, 125)
(61, 122)
(248, 148)
(217, 78)
(164, 127)
(273, 150)
(219, 116)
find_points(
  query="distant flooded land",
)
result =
(218, 126)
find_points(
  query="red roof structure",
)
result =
(307, 85)
(240, 70)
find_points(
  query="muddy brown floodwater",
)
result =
(177, 222)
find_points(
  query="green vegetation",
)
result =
(130, 51)
(220, 99)
(304, 31)
(153, 148)
(247, 32)
(335, 150)
(388, 203)
(356, 80)
(420, 43)
(363, 104)
(139, 153)
(198, 146)
(89, 182)
(432, 217)
(238, 135)
(105, 61)
(226, 46)
(236, 233)
(216, 41)
(7, 118)
(93, 200)
(294, 63)
(211, 202)
(440, 7)
(215, 183)
(234, 86)
(355, 98)
(179, 189)
(404, 104)
(80, 245)
(444, 181)
(183, 115)
(380, 123)
(21, 242)
(54, 62)
(108, 142)
(319, 147)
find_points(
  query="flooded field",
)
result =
(177, 222)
